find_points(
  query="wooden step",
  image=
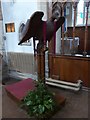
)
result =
(17, 91)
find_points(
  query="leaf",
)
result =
(39, 101)
(41, 109)
(29, 103)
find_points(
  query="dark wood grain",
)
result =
(71, 69)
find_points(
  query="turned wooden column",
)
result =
(50, 44)
(41, 65)
(86, 30)
(41, 56)
(62, 33)
(74, 3)
(63, 3)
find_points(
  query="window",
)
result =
(80, 13)
(10, 27)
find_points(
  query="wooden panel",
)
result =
(71, 69)
(89, 73)
(56, 68)
(50, 65)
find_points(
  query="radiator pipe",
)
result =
(63, 84)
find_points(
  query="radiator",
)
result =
(22, 62)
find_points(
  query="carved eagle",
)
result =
(34, 27)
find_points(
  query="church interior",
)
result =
(45, 41)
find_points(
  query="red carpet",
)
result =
(19, 90)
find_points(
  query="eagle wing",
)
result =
(31, 26)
